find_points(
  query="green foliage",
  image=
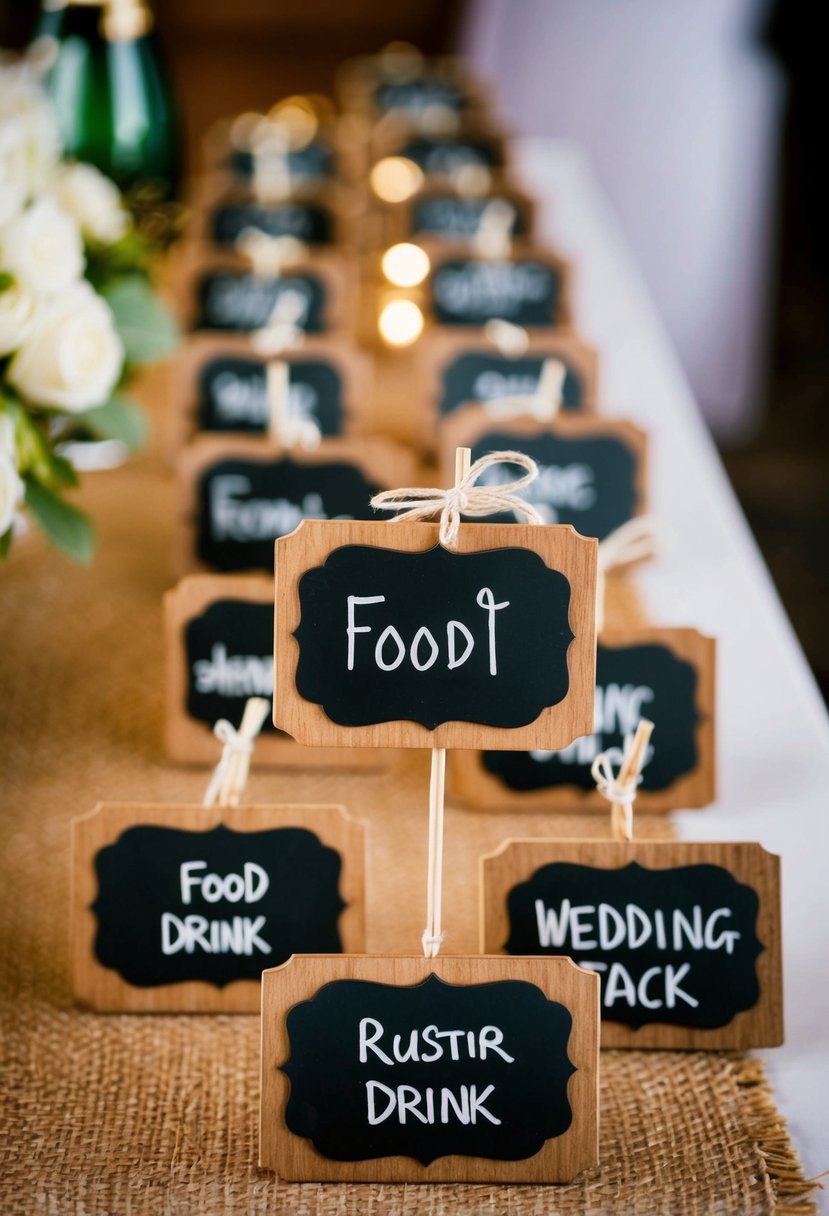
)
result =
(68, 529)
(147, 329)
(120, 419)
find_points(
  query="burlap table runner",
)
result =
(126, 1114)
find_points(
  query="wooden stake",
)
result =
(621, 814)
(278, 378)
(432, 934)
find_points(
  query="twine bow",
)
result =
(542, 405)
(494, 236)
(269, 255)
(230, 775)
(464, 498)
(283, 330)
(641, 537)
(510, 340)
(286, 428)
(620, 788)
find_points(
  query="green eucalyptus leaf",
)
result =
(66, 527)
(121, 419)
(148, 330)
(6, 542)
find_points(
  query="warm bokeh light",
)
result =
(405, 265)
(298, 117)
(400, 323)
(395, 178)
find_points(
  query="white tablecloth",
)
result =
(772, 727)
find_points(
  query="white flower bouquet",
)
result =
(77, 315)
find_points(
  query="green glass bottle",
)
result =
(114, 103)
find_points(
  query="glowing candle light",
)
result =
(405, 264)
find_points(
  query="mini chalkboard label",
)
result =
(412, 97)
(313, 163)
(445, 156)
(385, 637)
(308, 221)
(233, 395)
(591, 474)
(489, 377)
(218, 645)
(229, 651)
(243, 495)
(428, 1069)
(220, 386)
(526, 290)
(457, 217)
(666, 675)
(183, 907)
(685, 937)
(238, 300)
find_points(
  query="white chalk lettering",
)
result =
(236, 675)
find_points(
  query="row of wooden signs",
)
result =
(181, 908)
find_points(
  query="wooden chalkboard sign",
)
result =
(314, 163)
(530, 289)
(220, 385)
(666, 675)
(180, 908)
(429, 1070)
(458, 366)
(592, 471)
(239, 495)
(218, 652)
(440, 214)
(385, 638)
(218, 290)
(685, 937)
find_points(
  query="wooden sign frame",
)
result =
(515, 861)
(468, 425)
(104, 990)
(295, 1159)
(399, 217)
(382, 461)
(220, 187)
(560, 547)
(189, 741)
(441, 345)
(520, 251)
(478, 788)
(353, 366)
(192, 261)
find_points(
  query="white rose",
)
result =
(23, 101)
(43, 248)
(11, 491)
(93, 200)
(18, 313)
(13, 173)
(73, 358)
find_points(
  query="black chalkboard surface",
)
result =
(676, 946)
(239, 301)
(232, 395)
(472, 292)
(458, 217)
(306, 221)
(243, 505)
(428, 1071)
(313, 163)
(445, 155)
(217, 906)
(229, 654)
(414, 96)
(587, 480)
(486, 377)
(631, 682)
(434, 636)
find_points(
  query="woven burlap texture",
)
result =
(125, 1114)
